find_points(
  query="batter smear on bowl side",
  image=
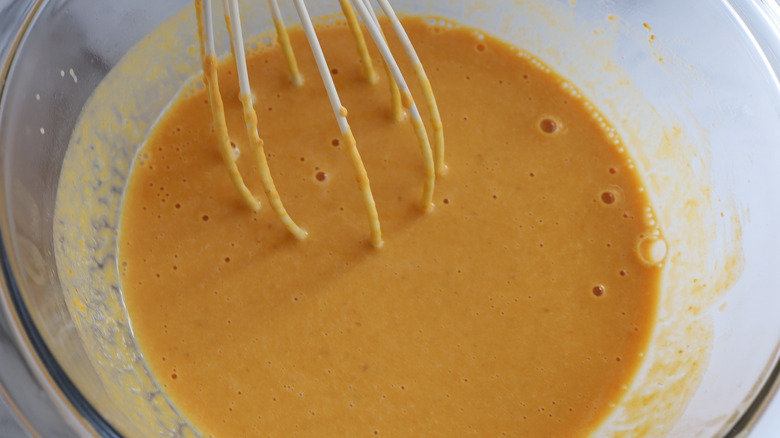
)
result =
(520, 305)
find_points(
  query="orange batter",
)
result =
(519, 306)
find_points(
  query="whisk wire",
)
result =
(408, 102)
(284, 42)
(360, 42)
(425, 84)
(341, 117)
(396, 108)
(209, 62)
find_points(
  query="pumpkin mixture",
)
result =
(520, 305)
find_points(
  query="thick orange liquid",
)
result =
(519, 306)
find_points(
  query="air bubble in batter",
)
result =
(235, 149)
(548, 125)
(652, 249)
(611, 196)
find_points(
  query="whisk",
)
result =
(401, 98)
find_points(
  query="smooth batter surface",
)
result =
(519, 306)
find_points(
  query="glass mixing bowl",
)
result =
(691, 87)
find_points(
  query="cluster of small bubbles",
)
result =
(162, 195)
